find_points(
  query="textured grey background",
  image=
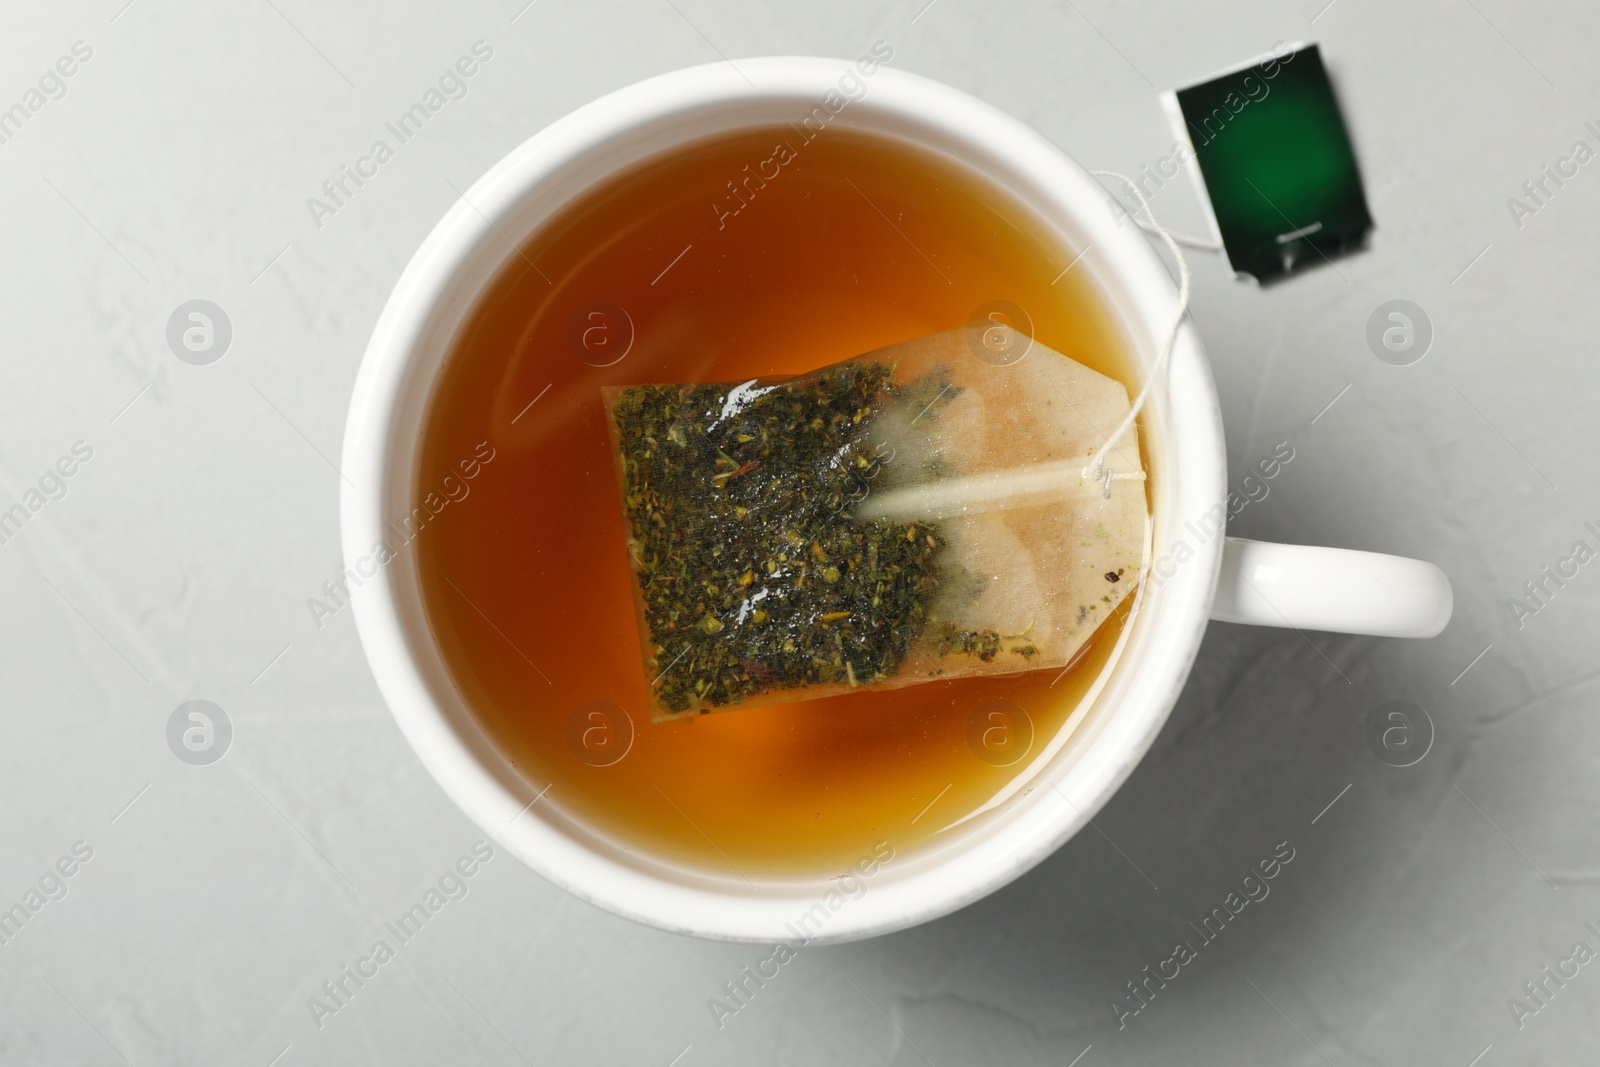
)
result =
(177, 566)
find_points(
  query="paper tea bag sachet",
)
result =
(916, 513)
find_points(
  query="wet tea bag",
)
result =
(967, 503)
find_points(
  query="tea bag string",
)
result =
(1041, 482)
(1199, 243)
(1096, 466)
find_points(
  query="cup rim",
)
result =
(458, 752)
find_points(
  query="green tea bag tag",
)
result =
(1276, 170)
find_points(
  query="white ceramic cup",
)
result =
(1272, 585)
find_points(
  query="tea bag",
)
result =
(967, 503)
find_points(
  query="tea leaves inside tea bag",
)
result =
(751, 578)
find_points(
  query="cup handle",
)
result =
(1332, 589)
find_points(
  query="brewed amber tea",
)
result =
(754, 255)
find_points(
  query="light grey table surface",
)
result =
(176, 165)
